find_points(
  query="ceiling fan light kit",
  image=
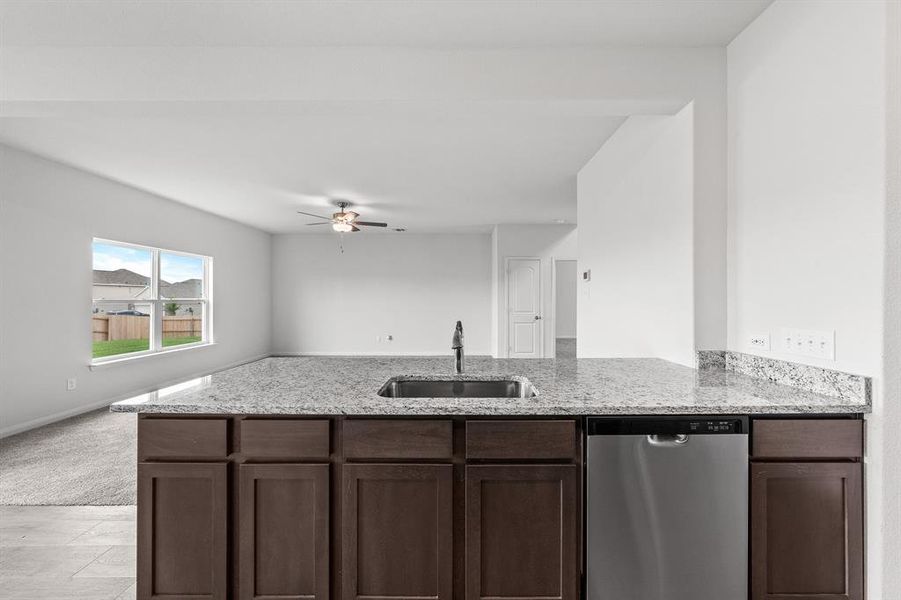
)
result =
(343, 221)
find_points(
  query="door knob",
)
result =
(537, 317)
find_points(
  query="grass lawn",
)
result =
(102, 349)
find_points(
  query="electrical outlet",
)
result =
(759, 341)
(71, 383)
(809, 342)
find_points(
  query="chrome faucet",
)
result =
(457, 345)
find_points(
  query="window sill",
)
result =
(94, 365)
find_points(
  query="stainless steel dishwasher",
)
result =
(667, 508)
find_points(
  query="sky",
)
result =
(173, 267)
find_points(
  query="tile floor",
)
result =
(566, 348)
(67, 552)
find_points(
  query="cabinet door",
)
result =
(182, 528)
(283, 538)
(522, 526)
(397, 531)
(806, 531)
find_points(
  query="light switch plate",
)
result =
(809, 342)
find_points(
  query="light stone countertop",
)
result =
(349, 385)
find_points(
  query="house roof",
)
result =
(120, 277)
(190, 288)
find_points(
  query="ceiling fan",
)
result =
(343, 221)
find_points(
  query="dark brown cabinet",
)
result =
(397, 531)
(398, 439)
(522, 526)
(807, 509)
(807, 439)
(259, 508)
(806, 531)
(285, 439)
(283, 520)
(521, 440)
(182, 530)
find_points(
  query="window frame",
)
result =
(157, 302)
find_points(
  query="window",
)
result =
(148, 300)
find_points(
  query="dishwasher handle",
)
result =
(668, 439)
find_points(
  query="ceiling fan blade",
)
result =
(300, 212)
(370, 224)
(355, 228)
(320, 223)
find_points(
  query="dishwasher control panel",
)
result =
(719, 426)
(664, 426)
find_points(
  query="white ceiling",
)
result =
(425, 173)
(447, 140)
(482, 23)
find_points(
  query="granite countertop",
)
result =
(586, 386)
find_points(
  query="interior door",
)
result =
(524, 308)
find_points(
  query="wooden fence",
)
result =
(133, 327)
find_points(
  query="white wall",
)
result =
(545, 242)
(493, 339)
(889, 446)
(49, 214)
(807, 196)
(806, 139)
(635, 206)
(567, 286)
(411, 286)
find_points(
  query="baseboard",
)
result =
(41, 421)
(68, 414)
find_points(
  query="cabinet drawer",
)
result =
(807, 438)
(285, 438)
(185, 438)
(540, 440)
(398, 439)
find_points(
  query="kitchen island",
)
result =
(291, 477)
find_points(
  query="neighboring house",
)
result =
(131, 288)
(190, 288)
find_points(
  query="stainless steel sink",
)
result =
(411, 387)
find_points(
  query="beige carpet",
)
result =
(86, 460)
